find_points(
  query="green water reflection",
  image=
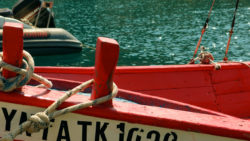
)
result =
(150, 32)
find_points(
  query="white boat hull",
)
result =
(76, 127)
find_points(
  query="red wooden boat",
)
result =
(154, 103)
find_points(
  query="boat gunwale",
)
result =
(143, 69)
(219, 125)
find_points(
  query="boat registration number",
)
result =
(76, 127)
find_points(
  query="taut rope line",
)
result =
(202, 32)
(231, 31)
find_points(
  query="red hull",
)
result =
(184, 97)
(179, 101)
(226, 90)
(188, 97)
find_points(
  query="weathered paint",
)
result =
(78, 127)
(12, 46)
(106, 58)
(174, 115)
(226, 90)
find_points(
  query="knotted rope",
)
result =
(41, 120)
(25, 74)
(206, 58)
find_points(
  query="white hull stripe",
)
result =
(76, 127)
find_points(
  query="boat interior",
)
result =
(225, 91)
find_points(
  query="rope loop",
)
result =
(24, 74)
(41, 120)
(10, 84)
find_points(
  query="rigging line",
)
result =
(203, 31)
(231, 31)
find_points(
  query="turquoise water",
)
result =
(150, 32)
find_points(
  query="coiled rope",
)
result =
(41, 120)
(25, 74)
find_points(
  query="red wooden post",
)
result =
(107, 52)
(12, 46)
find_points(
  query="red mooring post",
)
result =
(12, 46)
(106, 58)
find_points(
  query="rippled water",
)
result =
(151, 32)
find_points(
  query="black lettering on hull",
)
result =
(100, 131)
(63, 129)
(8, 118)
(155, 133)
(121, 126)
(45, 131)
(166, 138)
(131, 133)
(23, 119)
(84, 129)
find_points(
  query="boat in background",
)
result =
(37, 13)
(45, 41)
(40, 35)
(6, 12)
(162, 103)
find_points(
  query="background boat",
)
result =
(44, 41)
(40, 35)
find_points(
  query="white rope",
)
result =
(41, 120)
(25, 74)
